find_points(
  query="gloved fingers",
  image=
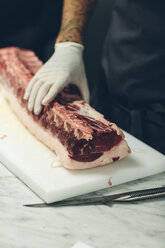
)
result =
(33, 94)
(45, 72)
(29, 88)
(49, 77)
(61, 80)
(54, 90)
(83, 87)
(85, 93)
(40, 96)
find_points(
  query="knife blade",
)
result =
(122, 197)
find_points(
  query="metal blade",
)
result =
(127, 196)
(74, 202)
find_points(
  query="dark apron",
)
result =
(131, 90)
(29, 24)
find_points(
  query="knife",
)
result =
(123, 197)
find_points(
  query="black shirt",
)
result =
(29, 24)
(131, 90)
(134, 53)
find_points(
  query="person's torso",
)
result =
(134, 52)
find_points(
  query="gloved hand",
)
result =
(64, 67)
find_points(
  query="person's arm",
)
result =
(75, 16)
(66, 64)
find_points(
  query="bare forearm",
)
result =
(74, 19)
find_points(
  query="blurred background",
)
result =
(35, 25)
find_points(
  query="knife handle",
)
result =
(141, 194)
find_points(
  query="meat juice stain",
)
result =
(115, 158)
(109, 182)
(3, 137)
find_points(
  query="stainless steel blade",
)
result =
(70, 202)
(127, 196)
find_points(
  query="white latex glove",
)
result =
(64, 67)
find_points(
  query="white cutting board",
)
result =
(38, 167)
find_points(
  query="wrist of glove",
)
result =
(64, 67)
